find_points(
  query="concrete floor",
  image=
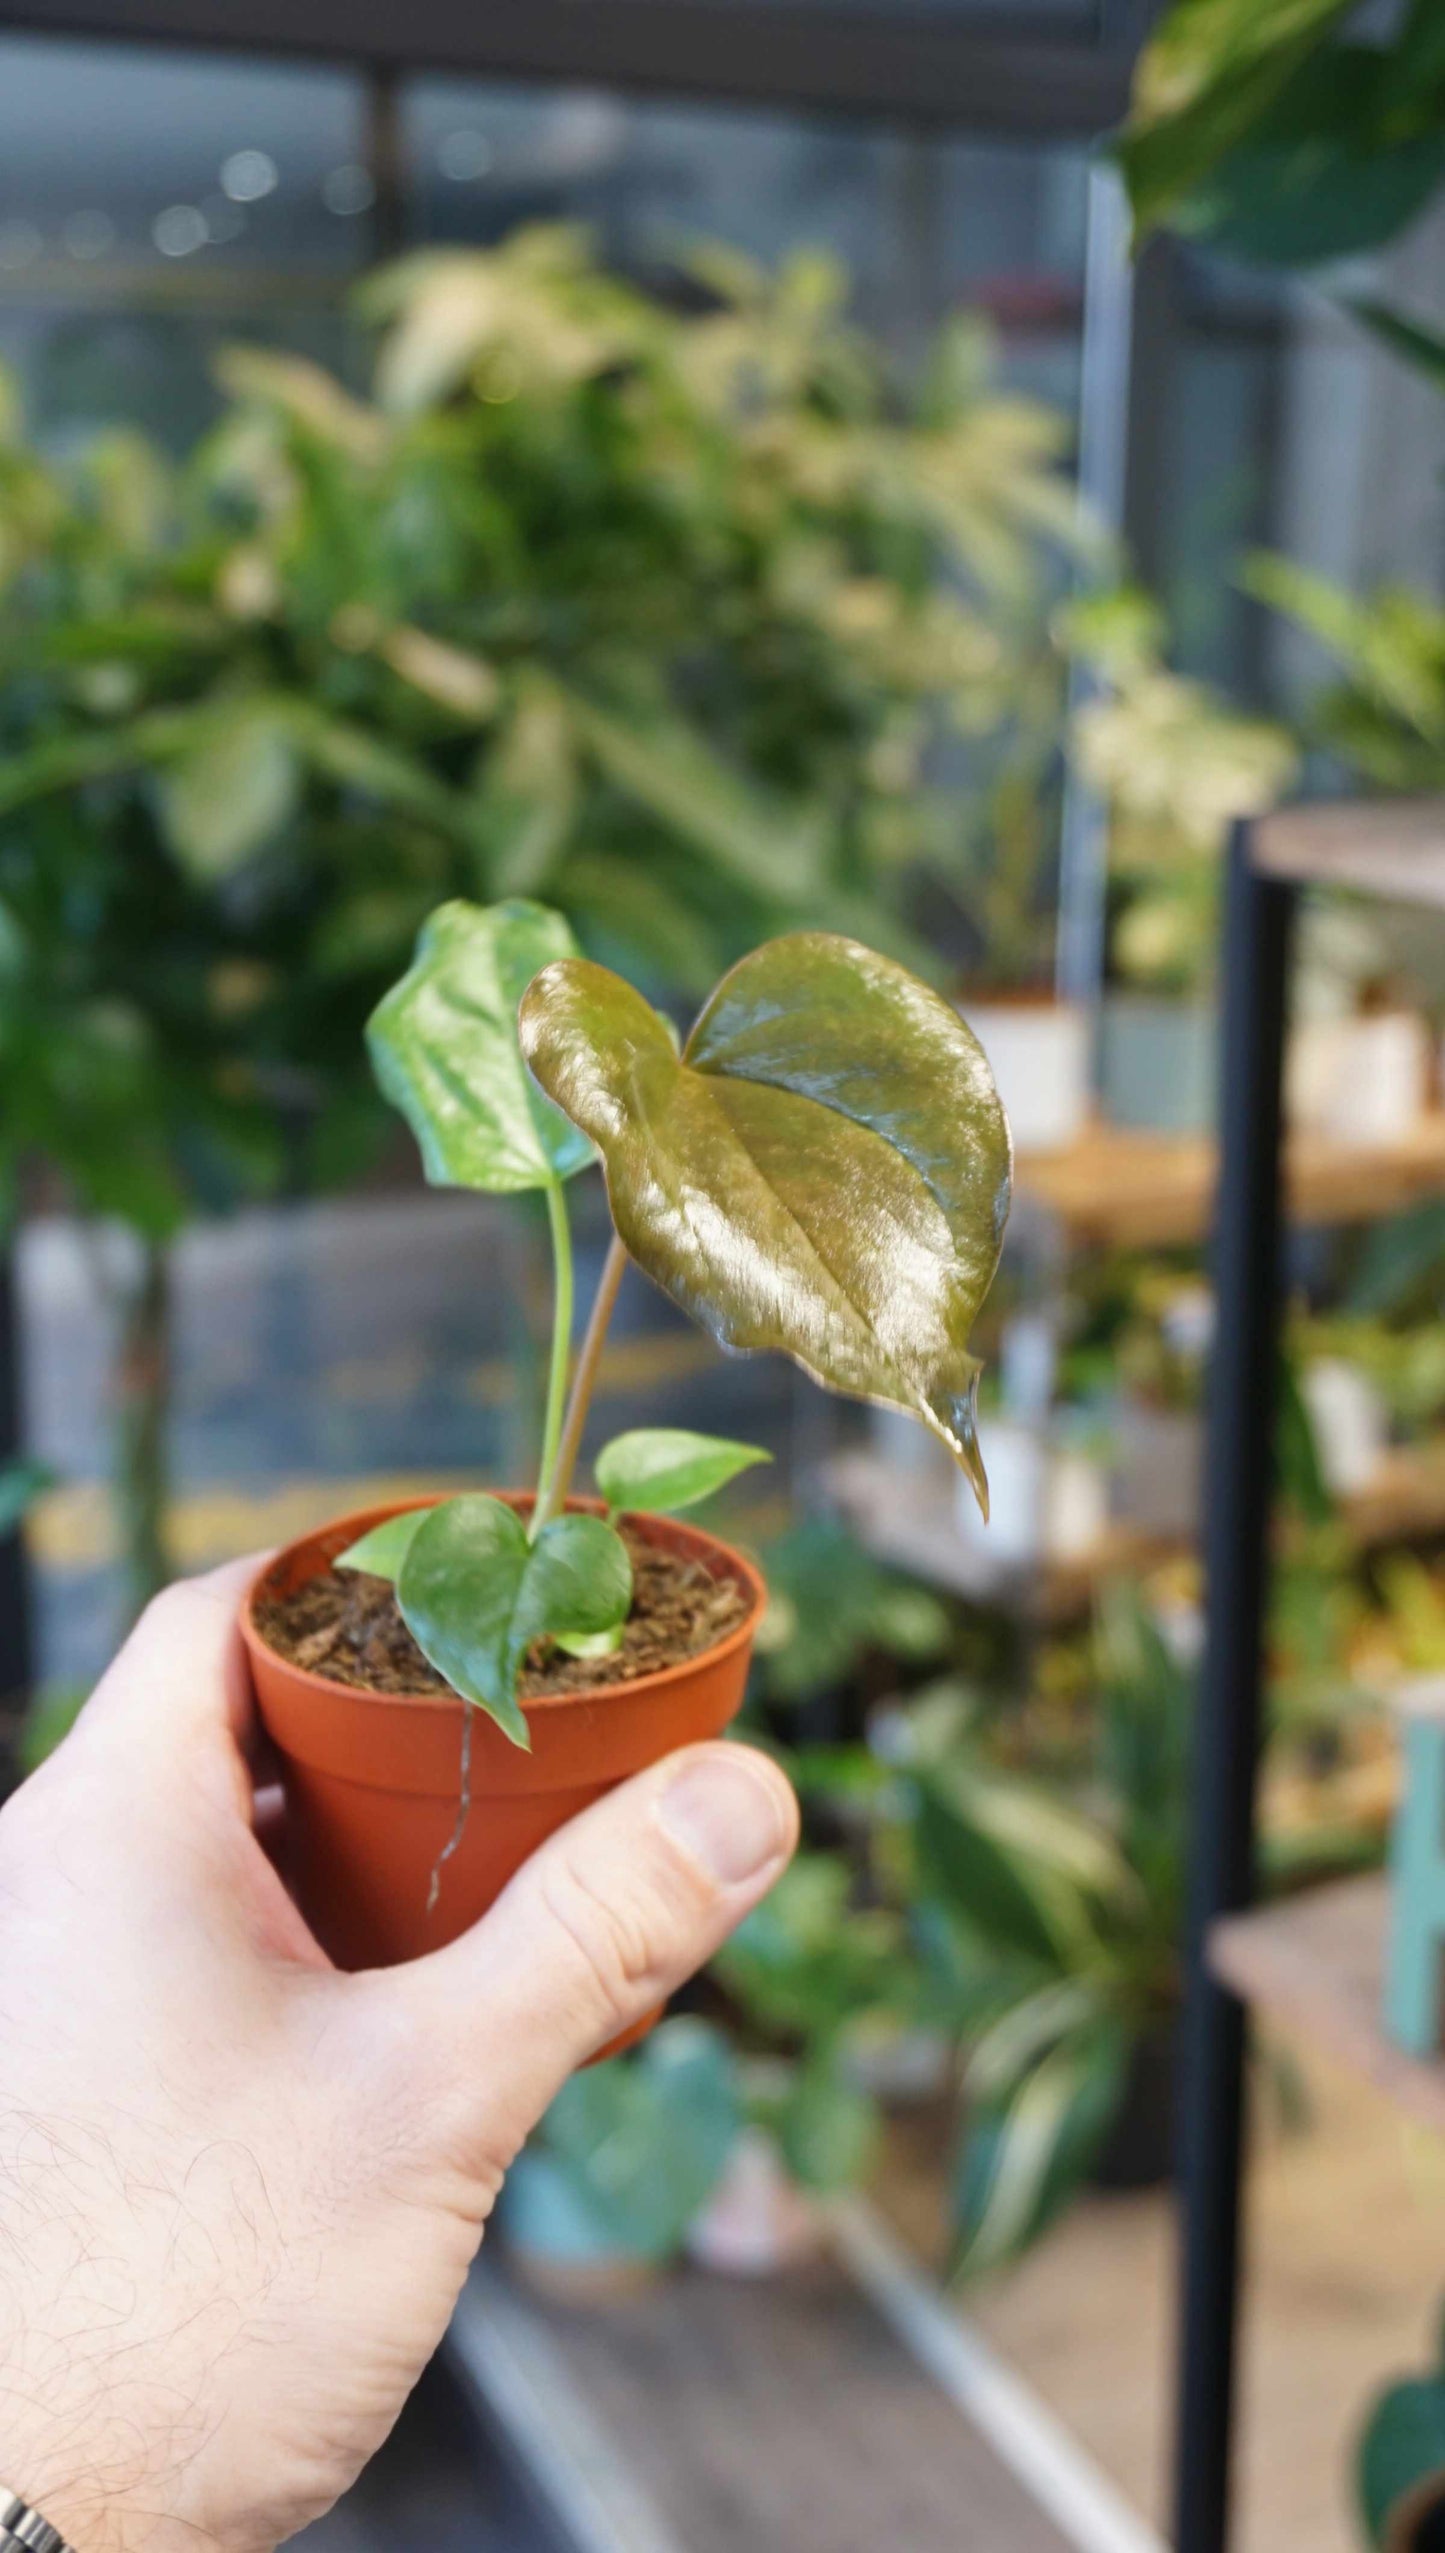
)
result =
(1346, 2267)
(438, 2483)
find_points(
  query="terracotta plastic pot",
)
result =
(372, 1780)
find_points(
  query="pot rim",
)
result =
(329, 1688)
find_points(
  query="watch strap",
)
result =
(24, 2530)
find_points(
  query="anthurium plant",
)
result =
(822, 1167)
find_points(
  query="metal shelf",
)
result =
(1315, 1964)
(1393, 849)
(1115, 1189)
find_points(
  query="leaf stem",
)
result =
(583, 1382)
(562, 1297)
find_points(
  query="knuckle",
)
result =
(610, 1936)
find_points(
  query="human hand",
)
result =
(239, 2191)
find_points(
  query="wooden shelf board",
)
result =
(1118, 1189)
(1405, 1499)
(910, 1521)
(1315, 1964)
(1392, 847)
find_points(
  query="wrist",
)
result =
(101, 2460)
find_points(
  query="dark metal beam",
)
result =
(1238, 1487)
(928, 67)
(15, 1657)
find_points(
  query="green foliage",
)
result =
(656, 1470)
(829, 1602)
(817, 1076)
(1256, 125)
(444, 1049)
(1385, 720)
(1051, 1927)
(1174, 767)
(661, 615)
(817, 1974)
(1400, 2460)
(642, 2140)
(475, 1592)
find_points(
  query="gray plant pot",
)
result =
(1158, 1063)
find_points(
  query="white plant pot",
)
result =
(1159, 1455)
(1076, 1503)
(757, 2220)
(1159, 1063)
(1047, 1501)
(1039, 1052)
(1350, 1422)
(1359, 1081)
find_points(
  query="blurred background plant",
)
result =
(1175, 767)
(687, 619)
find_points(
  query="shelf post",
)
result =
(1238, 1483)
(15, 1657)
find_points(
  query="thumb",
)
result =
(602, 1923)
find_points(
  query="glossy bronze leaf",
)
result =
(824, 1170)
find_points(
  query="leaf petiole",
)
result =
(584, 1382)
(562, 1283)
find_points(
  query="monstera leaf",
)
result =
(444, 1048)
(825, 1168)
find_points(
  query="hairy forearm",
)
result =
(111, 2328)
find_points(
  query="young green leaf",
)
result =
(825, 1169)
(590, 1644)
(444, 1046)
(654, 1470)
(475, 1593)
(383, 1550)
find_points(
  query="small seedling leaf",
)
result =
(590, 1644)
(475, 1593)
(383, 1550)
(654, 1470)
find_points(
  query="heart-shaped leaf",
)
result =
(656, 1470)
(825, 1169)
(475, 1593)
(444, 1046)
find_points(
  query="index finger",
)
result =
(180, 1680)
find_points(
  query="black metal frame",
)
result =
(15, 1657)
(1238, 1484)
(877, 61)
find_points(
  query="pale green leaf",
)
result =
(444, 1047)
(656, 1470)
(590, 1644)
(383, 1550)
